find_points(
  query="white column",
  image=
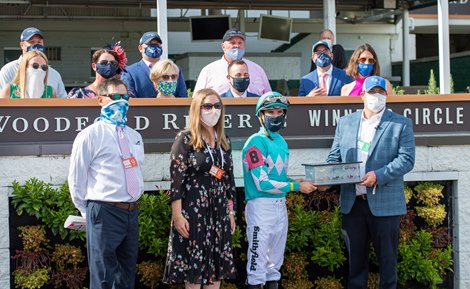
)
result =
(329, 15)
(406, 49)
(241, 18)
(444, 49)
(162, 26)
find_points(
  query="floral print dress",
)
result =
(206, 256)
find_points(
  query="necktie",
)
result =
(323, 80)
(132, 181)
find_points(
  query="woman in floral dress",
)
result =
(202, 194)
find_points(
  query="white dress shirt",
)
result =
(8, 72)
(327, 79)
(96, 170)
(366, 134)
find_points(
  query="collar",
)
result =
(235, 93)
(376, 117)
(148, 63)
(328, 72)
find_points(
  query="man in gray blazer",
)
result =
(384, 142)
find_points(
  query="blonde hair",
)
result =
(352, 71)
(195, 123)
(20, 77)
(161, 67)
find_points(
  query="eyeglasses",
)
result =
(110, 62)
(167, 77)
(366, 60)
(36, 66)
(209, 106)
(320, 52)
(117, 96)
(271, 99)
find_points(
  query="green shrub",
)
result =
(301, 227)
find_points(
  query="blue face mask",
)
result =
(365, 69)
(115, 112)
(235, 53)
(241, 83)
(323, 60)
(107, 71)
(167, 87)
(153, 51)
(36, 47)
(274, 123)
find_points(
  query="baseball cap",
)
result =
(148, 36)
(30, 32)
(374, 81)
(233, 33)
(322, 42)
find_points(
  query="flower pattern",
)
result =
(207, 255)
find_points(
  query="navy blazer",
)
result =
(391, 156)
(137, 79)
(338, 79)
(229, 93)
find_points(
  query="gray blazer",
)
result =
(391, 156)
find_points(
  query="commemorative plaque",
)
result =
(333, 174)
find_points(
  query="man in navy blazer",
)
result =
(384, 142)
(326, 79)
(239, 79)
(137, 75)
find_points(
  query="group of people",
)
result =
(230, 76)
(106, 163)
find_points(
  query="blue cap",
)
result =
(271, 99)
(322, 42)
(30, 32)
(233, 33)
(374, 81)
(148, 36)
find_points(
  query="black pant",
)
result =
(360, 227)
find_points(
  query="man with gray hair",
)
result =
(340, 60)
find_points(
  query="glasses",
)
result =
(209, 106)
(117, 96)
(320, 52)
(110, 62)
(36, 66)
(366, 60)
(271, 99)
(167, 77)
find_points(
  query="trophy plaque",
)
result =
(333, 174)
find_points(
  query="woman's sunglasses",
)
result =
(36, 66)
(167, 77)
(209, 106)
(117, 96)
(366, 60)
(110, 62)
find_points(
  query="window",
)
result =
(53, 53)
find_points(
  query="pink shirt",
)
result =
(214, 75)
(357, 89)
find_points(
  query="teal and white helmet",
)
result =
(271, 99)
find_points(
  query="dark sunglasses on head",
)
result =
(167, 77)
(368, 60)
(117, 96)
(106, 62)
(275, 99)
(36, 66)
(209, 106)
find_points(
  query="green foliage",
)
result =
(36, 279)
(294, 266)
(327, 241)
(50, 205)
(150, 273)
(154, 223)
(429, 193)
(397, 90)
(433, 215)
(419, 261)
(237, 238)
(329, 282)
(432, 84)
(301, 226)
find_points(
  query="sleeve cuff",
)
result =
(294, 186)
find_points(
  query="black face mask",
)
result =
(274, 123)
(107, 71)
(241, 83)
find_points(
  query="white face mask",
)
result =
(35, 82)
(210, 117)
(375, 102)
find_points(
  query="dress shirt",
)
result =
(327, 79)
(96, 170)
(235, 94)
(367, 129)
(148, 63)
(8, 72)
(214, 75)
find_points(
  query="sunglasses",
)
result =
(117, 96)
(110, 62)
(36, 66)
(167, 77)
(271, 99)
(366, 60)
(209, 106)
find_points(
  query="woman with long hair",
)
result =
(201, 197)
(31, 78)
(362, 64)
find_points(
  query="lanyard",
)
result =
(210, 152)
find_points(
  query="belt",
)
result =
(362, 197)
(125, 206)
